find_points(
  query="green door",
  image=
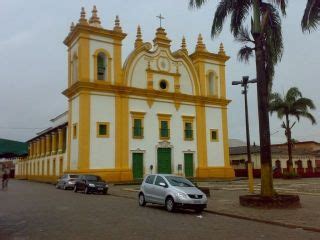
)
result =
(188, 164)
(137, 165)
(164, 160)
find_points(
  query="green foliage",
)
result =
(311, 17)
(292, 104)
(239, 11)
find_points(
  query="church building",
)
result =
(161, 111)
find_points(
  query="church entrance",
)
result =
(164, 160)
(188, 164)
(137, 165)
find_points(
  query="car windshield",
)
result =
(179, 181)
(93, 178)
(74, 176)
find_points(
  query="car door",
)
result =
(147, 188)
(160, 190)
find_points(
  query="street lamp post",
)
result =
(244, 83)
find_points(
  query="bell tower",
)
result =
(94, 61)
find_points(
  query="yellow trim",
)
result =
(217, 134)
(74, 130)
(107, 124)
(84, 131)
(60, 140)
(48, 144)
(222, 73)
(83, 58)
(54, 142)
(188, 119)
(126, 91)
(89, 30)
(43, 146)
(69, 67)
(121, 132)
(216, 172)
(225, 137)
(201, 136)
(117, 70)
(61, 166)
(48, 167)
(108, 65)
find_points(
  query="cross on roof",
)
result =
(160, 18)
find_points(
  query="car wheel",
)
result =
(170, 205)
(86, 190)
(142, 201)
(75, 188)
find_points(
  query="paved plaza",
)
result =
(31, 210)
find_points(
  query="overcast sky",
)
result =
(33, 62)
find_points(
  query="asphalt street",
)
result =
(30, 210)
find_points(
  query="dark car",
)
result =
(67, 181)
(90, 184)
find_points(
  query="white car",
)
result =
(172, 192)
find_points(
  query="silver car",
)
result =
(172, 192)
(67, 181)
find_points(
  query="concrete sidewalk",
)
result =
(226, 202)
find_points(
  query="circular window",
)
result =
(163, 85)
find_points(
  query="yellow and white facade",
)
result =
(160, 111)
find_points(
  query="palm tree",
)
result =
(311, 17)
(291, 104)
(265, 38)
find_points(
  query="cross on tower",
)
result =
(160, 18)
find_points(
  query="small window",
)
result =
(188, 131)
(160, 180)
(101, 66)
(214, 135)
(137, 128)
(102, 129)
(150, 179)
(163, 84)
(164, 129)
(74, 131)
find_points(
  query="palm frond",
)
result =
(311, 17)
(244, 36)
(282, 4)
(225, 7)
(303, 104)
(240, 10)
(196, 3)
(292, 94)
(245, 53)
(307, 115)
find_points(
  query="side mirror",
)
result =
(162, 184)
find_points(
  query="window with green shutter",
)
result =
(164, 129)
(102, 129)
(137, 128)
(188, 131)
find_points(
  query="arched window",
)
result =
(75, 69)
(101, 66)
(211, 87)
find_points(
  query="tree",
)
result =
(266, 38)
(295, 105)
(311, 17)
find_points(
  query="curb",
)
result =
(287, 225)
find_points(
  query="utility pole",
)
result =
(244, 83)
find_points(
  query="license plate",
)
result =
(197, 201)
(100, 188)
